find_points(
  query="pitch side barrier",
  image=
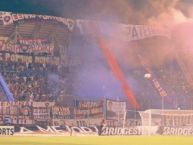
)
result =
(37, 130)
(66, 130)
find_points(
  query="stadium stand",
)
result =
(36, 64)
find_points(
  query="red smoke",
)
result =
(115, 68)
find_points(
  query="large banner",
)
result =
(9, 18)
(56, 130)
(26, 46)
(16, 113)
(75, 130)
(69, 130)
(23, 58)
(61, 112)
(115, 110)
(66, 130)
(88, 109)
(42, 111)
(123, 31)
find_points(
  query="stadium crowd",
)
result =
(28, 81)
(171, 79)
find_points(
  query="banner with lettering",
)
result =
(115, 110)
(74, 130)
(42, 111)
(84, 130)
(26, 46)
(125, 32)
(9, 18)
(6, 130)
(27, 58)
(16, 113)
(88, 109)
(176, 130)
(63, 130)
(61, 112)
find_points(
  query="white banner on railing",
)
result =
(125, 32)
(9, 18)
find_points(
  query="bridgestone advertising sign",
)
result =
(93, 130)
(121, 131)
(185, 131)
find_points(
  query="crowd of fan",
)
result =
(28, 81)
(171, 79)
